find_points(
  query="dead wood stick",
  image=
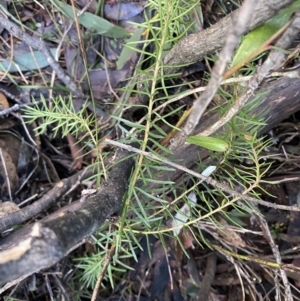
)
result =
(49, 198)
(194, 47)
(44, 243)
(208, 278)
(238, 27)
(268, 236)
(281, 99)
(275, 59)
(39, 44)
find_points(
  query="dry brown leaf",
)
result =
(8, 170)
(187, 238)
(12, 144)
(3, 101)
(233, 238)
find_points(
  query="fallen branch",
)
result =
(281, 101)
(209, 180)
(208, 277)
(194, 47)
(39, 44)
(49, 198)
(44, 243)
(275, 59)
(200, 104)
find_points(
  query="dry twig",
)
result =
(39, 44)
(209, 180)
(269, 238)
(237, 29)
(43, 203)
(208, 277)
(273, 62)
(194, 47)
(44, 243)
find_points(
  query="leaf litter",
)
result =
(163, 270)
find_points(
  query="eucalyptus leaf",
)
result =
(92, 22)
(128, 51)
(258, 36)
(211, 143)
(123, 10)
(26, 62)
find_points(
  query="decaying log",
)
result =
(44, 243)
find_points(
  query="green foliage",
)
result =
(92, 265)
(146, 202)
(258, 36)
(27, 61)
(62, 115)
(148, 209)
(214, 144)
(128, 51)
(94, 23)
(63, 119)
